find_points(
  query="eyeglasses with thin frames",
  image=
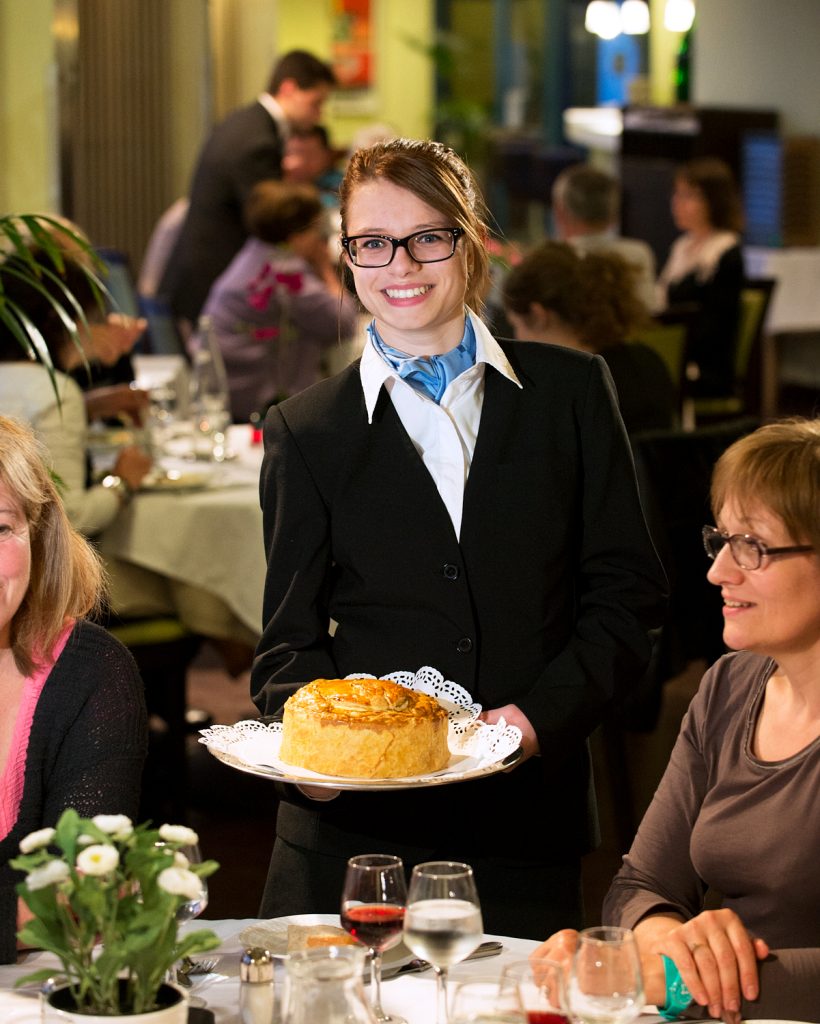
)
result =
(747, 551)
(431, 246)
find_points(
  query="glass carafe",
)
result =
(326, 984)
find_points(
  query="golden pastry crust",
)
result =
(364, 728)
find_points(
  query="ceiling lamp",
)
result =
(679, 15)
(603, 17)
(635, 17)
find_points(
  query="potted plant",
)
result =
(104, 896)
(33, 247)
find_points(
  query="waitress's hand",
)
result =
(717, 959)
(320, 794)
(513, 715)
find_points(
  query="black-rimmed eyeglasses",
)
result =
(431, 246)
(748, 552)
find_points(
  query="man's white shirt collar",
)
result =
(375, 372)
(276, 112)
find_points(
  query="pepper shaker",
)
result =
(256, 1002)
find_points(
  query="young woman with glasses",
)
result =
(737, 810)
(455, 502)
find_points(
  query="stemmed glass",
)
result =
(190, 909)
(373, 900)
(605, 984)
(193, 908)
(443, 920)
(486, 1001)
(541, 988)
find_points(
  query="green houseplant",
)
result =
(104, 897)
(34, 247)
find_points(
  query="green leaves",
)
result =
(113, 921)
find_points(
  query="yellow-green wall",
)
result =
(27, 107)
(250, 33)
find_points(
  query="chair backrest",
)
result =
(754, 305)
(669, 342)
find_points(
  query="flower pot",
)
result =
(173, 1009)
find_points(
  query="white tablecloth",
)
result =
(210, 538)
(410, 995)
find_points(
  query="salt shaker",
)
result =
(256, 1001)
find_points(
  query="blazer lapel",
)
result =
(499, 414)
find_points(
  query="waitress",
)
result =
(452, 501)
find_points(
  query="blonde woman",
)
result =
(73, 729)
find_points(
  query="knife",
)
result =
(414, 966)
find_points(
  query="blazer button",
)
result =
(465, 645)
(450, 571)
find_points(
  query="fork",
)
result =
(189, 967)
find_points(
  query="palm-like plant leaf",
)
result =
(33, 248)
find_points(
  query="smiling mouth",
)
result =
(737, 604)
(407, 293)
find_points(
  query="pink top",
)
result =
(14, 773)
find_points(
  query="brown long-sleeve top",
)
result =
(724, 820)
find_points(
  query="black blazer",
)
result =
(544, 601)
(243, 149)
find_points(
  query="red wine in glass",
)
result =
(377, 925)
(545, 1017)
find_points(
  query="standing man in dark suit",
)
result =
(243, 149)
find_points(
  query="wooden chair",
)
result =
(755, 299)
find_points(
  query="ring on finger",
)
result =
(695, 947)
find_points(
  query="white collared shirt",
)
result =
(276, 112)
(444, 435)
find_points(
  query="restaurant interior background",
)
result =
(105, 103)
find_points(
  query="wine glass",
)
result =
(194, 907)
(485, 1000)
(373, 900)
(443, 920)
(541, 988)
(605, 984)
(189, 910)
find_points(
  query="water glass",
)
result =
(605, 984)
(442, 922)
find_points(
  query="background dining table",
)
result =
(410, 995)
(208, 535)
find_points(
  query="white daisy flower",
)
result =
(36, 840)
(49, 874)
(98, 859)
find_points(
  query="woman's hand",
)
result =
(513, 715)
(132, 465)
(717, 959)
(116, 400)
(560, 947)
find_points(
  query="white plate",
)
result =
(476, 749)
(273, 936)
(176, 480)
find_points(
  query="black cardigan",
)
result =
(86, 749)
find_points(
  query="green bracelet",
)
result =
(678, 996)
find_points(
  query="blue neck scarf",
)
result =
(429, 374)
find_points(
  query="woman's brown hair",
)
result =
(436, 175)
(714, 180)
(778, 467)
(594, 294)
(67, 578)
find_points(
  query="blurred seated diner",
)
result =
(559, 296)
(280, 306)
(704, 272)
